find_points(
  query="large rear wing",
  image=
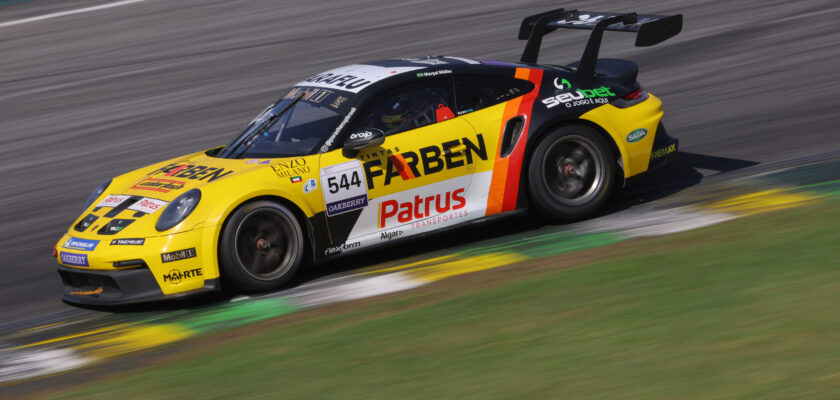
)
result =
(650, 30)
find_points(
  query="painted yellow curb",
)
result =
(759, 202)
(461, 266)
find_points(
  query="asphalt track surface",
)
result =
(88, 96)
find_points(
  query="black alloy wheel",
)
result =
(261, 246)
(571, 173)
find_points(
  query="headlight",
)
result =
(97, 192)
(178, 209)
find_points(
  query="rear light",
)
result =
(635, 94)
(631, 99)
(55, 252)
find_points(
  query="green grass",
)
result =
(748, 309)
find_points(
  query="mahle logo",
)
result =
(636, 135)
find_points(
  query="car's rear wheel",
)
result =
(261, 246)
(571, 172)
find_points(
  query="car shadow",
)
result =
(686, 171)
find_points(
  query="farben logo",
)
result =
(427, 160)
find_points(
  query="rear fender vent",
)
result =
(513, 130)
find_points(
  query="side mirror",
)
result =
(363, 138)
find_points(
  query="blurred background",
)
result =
(89, 95)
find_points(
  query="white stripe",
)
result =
(651, 222)
(685, 224)
(466, 60)
(16, 364)
(353, 288)
(68, 12)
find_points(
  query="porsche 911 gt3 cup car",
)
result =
(370, 154)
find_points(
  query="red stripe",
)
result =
(176, 170)
(518, 153)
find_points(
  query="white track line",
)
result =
(352, 288)
(652, 222)
(68, 12)
(28, 363)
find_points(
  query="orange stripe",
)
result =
(402, 166)
(495, 199)
(499, 191)
(517, 156)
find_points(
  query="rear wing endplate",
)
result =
(650, 30)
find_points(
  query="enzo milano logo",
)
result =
(291, 168)
(176, 276)
(422, 208)
(178, 255)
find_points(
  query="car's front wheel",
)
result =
(571, 172)
(261, 246)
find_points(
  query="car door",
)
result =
(417, 181)
(494, 105)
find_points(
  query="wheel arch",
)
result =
(300, 217)
(545, 129)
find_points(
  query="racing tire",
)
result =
(571, 173)
(261, 247)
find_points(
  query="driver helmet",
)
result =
(397, 114)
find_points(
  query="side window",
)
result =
(409, 107)
(474, 92)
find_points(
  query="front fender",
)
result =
(224, 199)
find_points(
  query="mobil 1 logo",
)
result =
(344, 187)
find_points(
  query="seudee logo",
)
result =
(578, 94)
(420, 208)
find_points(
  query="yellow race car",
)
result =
(372, 153)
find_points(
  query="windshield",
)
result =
(294, 126)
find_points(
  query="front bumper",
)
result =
(116, 271)
(129, 286)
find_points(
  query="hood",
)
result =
(168, 180)
(137, 198)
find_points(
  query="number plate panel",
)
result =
(344, 187)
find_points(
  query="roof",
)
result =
(358, 77)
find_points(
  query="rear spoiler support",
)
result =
(650, 30)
